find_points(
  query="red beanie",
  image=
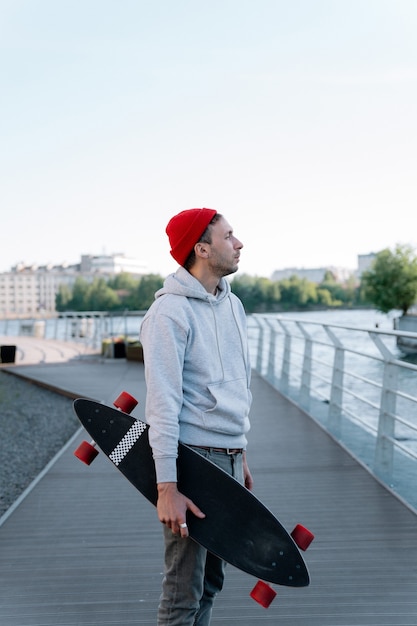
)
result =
(185, 229)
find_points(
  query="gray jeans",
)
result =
(193, 576)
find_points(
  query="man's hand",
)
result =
(172, 507)
(246, 473)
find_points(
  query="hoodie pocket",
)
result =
(229, 413)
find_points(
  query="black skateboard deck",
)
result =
(238, 527)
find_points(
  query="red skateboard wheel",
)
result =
(302, 536)
(86, 452)
(125, 402)
(263, 594)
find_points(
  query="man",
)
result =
(197, 374)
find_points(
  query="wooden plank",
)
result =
(84, 549)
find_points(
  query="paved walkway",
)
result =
(34, 350)
(82, 548)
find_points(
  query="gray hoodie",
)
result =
(197, 370)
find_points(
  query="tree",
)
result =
(123, 282)
(337, 292)
(79, 295)
(243, 287)
(391, 283)
(324, 297)
(100, 297)
(298, 293)
(256, 293)
(63, 297)
(144, 293)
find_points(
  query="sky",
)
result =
(297, 120)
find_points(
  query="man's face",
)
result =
(224, 250)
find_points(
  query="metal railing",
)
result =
(354, 382)
(86, 327)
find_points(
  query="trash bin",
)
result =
(7, 354)
(119, 350)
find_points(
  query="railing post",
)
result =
(336, 390)
(305, 390)
(66, 327)
(286, 360)
(260, 345)
(384, 447)
(270, 375)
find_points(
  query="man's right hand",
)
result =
(172, 507)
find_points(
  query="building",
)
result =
(364, 262)
(314, 275)
(31, 290)
(110, 265)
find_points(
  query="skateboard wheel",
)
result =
(125, 402)
(263, 594)
(302, 536)
(86, 452)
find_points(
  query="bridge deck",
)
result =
(82, 548)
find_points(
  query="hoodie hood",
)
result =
(182, 283)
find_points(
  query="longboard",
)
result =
(237, 528)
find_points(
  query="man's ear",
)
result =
(201, 249)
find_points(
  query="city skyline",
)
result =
(55, 265)
(295, 120)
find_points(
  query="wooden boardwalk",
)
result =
(82, 548)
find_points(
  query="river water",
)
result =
(359, 318)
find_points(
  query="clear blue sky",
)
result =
(295, 119)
